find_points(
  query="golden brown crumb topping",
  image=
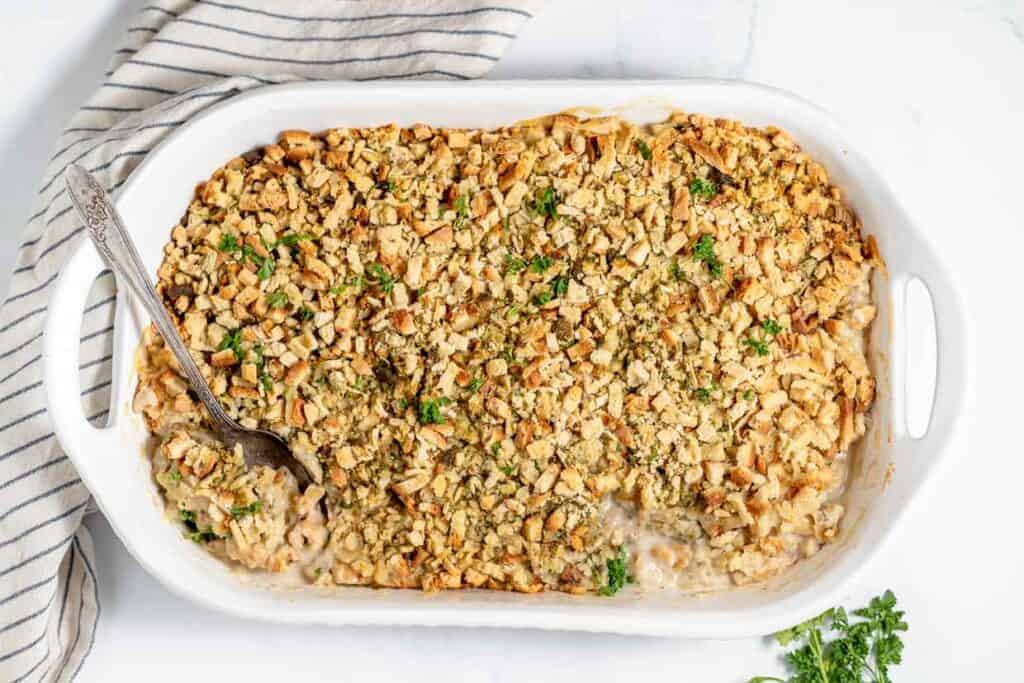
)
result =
(481, 341)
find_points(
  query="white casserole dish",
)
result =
(111, 461)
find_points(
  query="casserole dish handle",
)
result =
(78, 437)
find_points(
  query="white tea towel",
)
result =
(179, 58)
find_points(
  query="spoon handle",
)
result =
(108, 234)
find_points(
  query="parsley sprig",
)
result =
(704, 250)
(703, 188)
(382, 277)
(239, 511)
(861, 651)
(644, 150)
(232, 340)
(618, 577)
(546, 203)
(430, 411)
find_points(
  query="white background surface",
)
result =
(935, 92)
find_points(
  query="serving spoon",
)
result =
(107, 232)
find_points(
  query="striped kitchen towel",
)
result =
(179, 58)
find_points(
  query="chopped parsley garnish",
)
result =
(677, 271)
(514, 264)
(703, 394)
(509, 470)
(239, 511)
(475, 385)
(748, 395)
(704, 250)
(546, 203)
(860, 651)
(232, 340)
(386, 185)
(559, 286)
(430, 411)
(703, 188)
(540, 263)
(277, 299)
(267, 382)
(228, 243)
(509, 355)
(461, 210)
(770, 327)
(203, 536)
(495, 448)
(384, 279)
(305, 314)
(175, 475)
(189, 519)
(644, 150)
(759, 346)
(266, 264)
(617, 576)
(292, 239)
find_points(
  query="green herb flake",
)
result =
(509, 470)
(540, 263)
(174, 475)
(704, 250)
(748, 395)
(305, 314)
(617, 575)
(232, 340)
(703, 188)
(559, 287)
(292, 239)
(546, 203)
(758, 346)
(203, 536)
(475, 385)
(770, 327)
(430, 411)
(267, 382)
(542, 299)
(861, 650)
(677, 271)
(703, 394)
(380, 275)
(228, 243)
(514, 264)
(495, 448)
(461, 210)
(386, 185)
(239, 511)
(644, 150)
(277, 299)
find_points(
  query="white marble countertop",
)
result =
(934, 92)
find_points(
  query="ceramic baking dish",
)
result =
(891, 467)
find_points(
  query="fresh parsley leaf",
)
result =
(475, 385)
(203, 536)
(509, 355)
(495, 448)
(267, 382)
(189, 518)
(383, 278)
(758, 346)
(542, 299)
(175, 475)
(703, 188)
(546, 203)
(677, 271)
(277, 299)
(232, 340)
(461, 210)
(770, 327)
(559, 286)
(292, 239)
(617, 576)
(644, 150)
(305, 314)
(703, 394)
(748, 395)
(430, 411)
(514, 264)
(228, 243)
(540, 263)
(239, 511)
(861, 650)
(266, 269)
(509, 470)
(704, 250)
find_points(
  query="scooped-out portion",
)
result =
(570, 354)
